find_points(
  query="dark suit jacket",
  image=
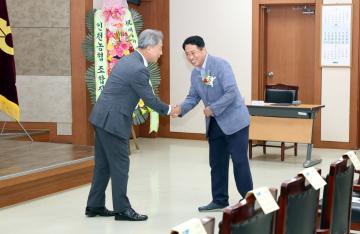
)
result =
(128, 82)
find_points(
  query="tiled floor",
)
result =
(168, 180)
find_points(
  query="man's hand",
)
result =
(175, 111)
(208, 112)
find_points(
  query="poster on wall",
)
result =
(336, 35)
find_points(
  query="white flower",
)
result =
(208, 79)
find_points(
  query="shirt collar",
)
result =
(145, 62)
(203, 66)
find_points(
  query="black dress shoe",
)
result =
(130, 215)
(102, 211)
(212, 206)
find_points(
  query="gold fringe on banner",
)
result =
(10, 108)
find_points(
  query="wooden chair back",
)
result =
(247, 217)
(279, 93)
(337, 196)
(298, 202)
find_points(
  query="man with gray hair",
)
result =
(111, 118)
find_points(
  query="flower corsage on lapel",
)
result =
(208, 79)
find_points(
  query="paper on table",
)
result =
(192, 226)
(313, 177)
(265, 199)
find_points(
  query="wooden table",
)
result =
(270, 122)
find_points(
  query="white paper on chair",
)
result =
(265, 199)
(257, 103)
(314, 178)
(192, 226)
(354, 159)
(356, 199)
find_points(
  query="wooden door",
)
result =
(289, 56)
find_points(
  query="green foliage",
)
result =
(90, 82)
(89, 21)
(141, 116)
(138, 117)
(138, 20)
(155, 76)
(88, 48)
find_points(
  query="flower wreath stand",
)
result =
(112, 34)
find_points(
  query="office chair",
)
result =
(279, 94)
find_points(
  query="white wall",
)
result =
(226, 28)
(335, 95)
(97, 4)
(45, 99)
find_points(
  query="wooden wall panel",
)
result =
(81, 106)
(355, 84)
(318, 72)
(155, 14)
(354, 133)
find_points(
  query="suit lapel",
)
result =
(204, 89)
(207, 70)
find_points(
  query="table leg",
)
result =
(308, 162)
(134, 137)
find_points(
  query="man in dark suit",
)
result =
(227, 120)
(112, 120)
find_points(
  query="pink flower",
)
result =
(106, 14)
(118, 51)
(113, 53)
(118, 25)
(109, 34)
(115, 12)
(125, 46)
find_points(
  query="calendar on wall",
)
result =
(336, 35)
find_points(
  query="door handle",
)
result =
(269, 74)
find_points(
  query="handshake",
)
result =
(176, 111)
